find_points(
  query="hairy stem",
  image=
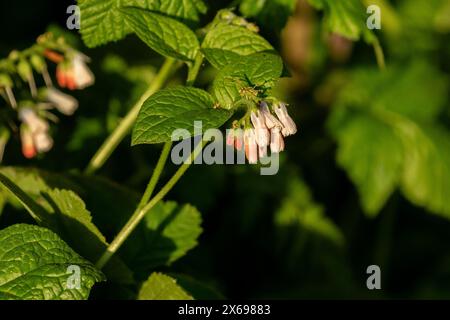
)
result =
(140, 213)
(111, 143)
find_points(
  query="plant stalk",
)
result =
(140, 213)
(111, 143)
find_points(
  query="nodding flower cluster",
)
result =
(72, 73)
(268, 128)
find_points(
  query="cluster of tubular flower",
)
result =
(268, 129)
(72, 73)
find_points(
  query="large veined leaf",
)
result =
(102, 21)
(162, 287)
(36, 264)
(388, 136)
(225, 42)
(165, 35)
(63, 212)
(347, 18)
(250, 72)
(167, 233)
(176, 108)
(377, 171)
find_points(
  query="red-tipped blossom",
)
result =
(75, 74)
(238, 139)
(230, 138)
(251, 147)
(32, 120)
(26, 138)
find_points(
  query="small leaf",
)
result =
(176, 108)
(168, 232)
(225, 43)
(162, 287)
(102, 21)
(166, 36)
(34, 265)
(260, 69)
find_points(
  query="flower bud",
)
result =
(289, 127)
(276, 140)
(251, 148)
(65, 103)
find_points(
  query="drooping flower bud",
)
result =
(270, 119)
(262, 151)
(42, 141)
(82, 74)
(65, 103)
(261, 131)
(238, 139)
(32, 120)
(251, 148)
(26, 138)
(289, 127)
(276, 140)
(230, 137)
(74, 74)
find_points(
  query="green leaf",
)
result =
(225, 43)
(168, 232)
(301, 214)
(388, 136)
(162, 287)
(166, 36)
(63, 212)
(272, 15)
(369, 151)
(34, 264)
(346, 18)
(102, 21)
(176, 108)
(260, 69)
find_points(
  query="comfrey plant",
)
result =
(240, 99)
(261, 129)
(29, 100)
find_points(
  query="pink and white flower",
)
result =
(251, 147)
(75, 74)
(261, 131)
(65, 103)
(276, 140)
(289, 127)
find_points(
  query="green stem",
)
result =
(140, 213)
(156, 174)
(194, 70)
(111, 143)
(379, 55)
